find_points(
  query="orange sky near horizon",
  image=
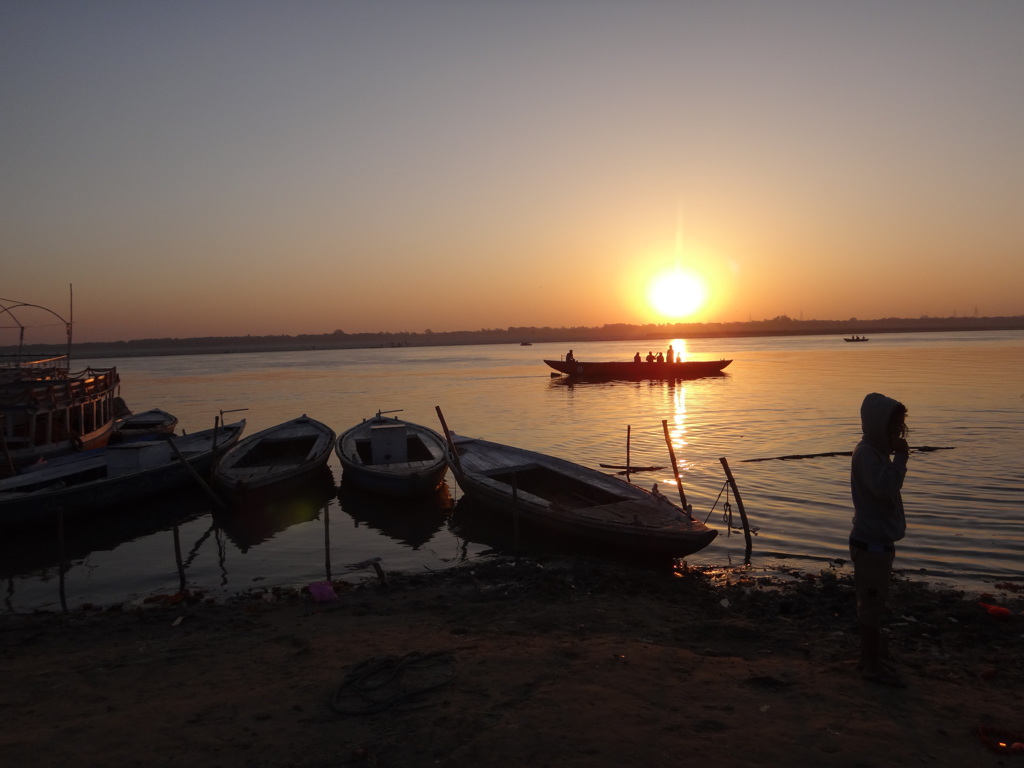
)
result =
(254, 168)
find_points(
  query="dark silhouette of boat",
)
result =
(46, 409)
(145, 425)
(689, 369)
(569, 499)
(285, 454)
(392, 457)
(94, 481)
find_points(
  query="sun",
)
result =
(677, 293)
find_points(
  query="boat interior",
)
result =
(272, 452)
(392, 449)
(555, 487)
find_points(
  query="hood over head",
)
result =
(875, 412)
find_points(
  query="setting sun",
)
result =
(677, 293)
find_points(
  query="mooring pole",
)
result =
(177, 559)
(63, 563)
(739, 504)
(628, 428)
(675, 467)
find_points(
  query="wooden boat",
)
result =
(94, 481)
(689, 369)
(570, 499)
(386, 455)
(287, 453)
(45, 408)
(856, 338)
(141, 426)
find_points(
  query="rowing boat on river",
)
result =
(689, 369)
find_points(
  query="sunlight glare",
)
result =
(677, 293)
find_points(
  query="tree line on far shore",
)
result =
(338, 339)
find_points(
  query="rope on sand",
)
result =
(384, 682)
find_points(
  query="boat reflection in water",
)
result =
(252, 519)
(52, 552)
(411, 522)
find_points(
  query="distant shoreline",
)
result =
(779, 326)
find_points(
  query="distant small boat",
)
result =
(139, 426)
(570, 499)
(94, 481)
(856, 338)
(386, 455)
(287, 453)
(689, 369)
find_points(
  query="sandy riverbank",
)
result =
(555, 663)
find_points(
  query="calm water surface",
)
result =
(781, 397)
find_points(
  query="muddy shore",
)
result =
(567, 662)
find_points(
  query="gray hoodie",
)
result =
(875, 478)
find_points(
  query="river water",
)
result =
(782, 396)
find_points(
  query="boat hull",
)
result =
(94, 481)
(392, 457)
(690, 369)
(47, 412)
(283, 455)
(573, 500)
(142, 426)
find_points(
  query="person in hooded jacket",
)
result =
(877, 472)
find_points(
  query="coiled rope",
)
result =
(381, 683)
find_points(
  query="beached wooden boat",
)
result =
(94, 481)
(287, 453)
(573, 500)
(689, 369)
(386, 455)
(46, 409)
(141, 426)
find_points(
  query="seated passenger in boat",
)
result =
(636, 358)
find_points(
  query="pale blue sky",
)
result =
(223, 168)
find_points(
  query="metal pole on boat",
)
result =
(451, 443)
(675, 467)
(739, 505)
(628, 429)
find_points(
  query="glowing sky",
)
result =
(230, 168)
